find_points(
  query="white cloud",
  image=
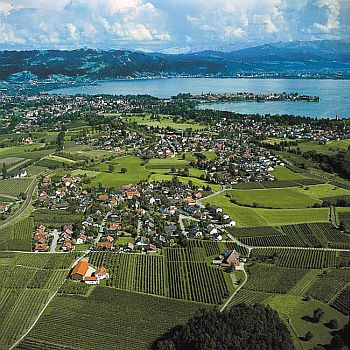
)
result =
(168, 25)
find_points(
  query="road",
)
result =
(24, 206)
(185, 217)
(55, 234)
(236, 291)
(102, 227)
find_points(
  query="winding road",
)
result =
(24, 206)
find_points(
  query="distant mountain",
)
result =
(311, 59)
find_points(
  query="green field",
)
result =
(82, 172)
(195, 181)
(273, 198)
(165, 121)
(300, 313)
(135, 173)
(323, 190)
(245, 216)
(331, 147)
(285, 174)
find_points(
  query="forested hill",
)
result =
(325, 59)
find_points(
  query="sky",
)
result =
(169, 26)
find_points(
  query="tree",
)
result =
(333, 324)
(308, 336)
(241, 327)
(4, 171)
(337, 343)
(318, 314)
(123, 170)
(111, 168)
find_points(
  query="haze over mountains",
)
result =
(320, 58)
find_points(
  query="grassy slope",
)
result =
(273, 198)
(245, 216)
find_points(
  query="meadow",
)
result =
(273, 198)
(163, 122)
(246, 216)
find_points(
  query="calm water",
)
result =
(334, 94)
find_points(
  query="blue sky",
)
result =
(168, 25)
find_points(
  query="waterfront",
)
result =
(334, 94)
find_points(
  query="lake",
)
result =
(334, 94)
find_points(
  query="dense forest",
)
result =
(241, 327)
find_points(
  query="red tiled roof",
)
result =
(80, 268)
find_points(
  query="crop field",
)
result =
(179, 274)
(272, 279)
(273, 198)
(55, 218)
(14, 187)
(211, 248)
(123, 312)
(297, 258)
(25, 289)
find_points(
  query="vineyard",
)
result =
(55, 218)
(297, 258)
(179, 273)
(116, 315)
(28, 281)
(17, 236)
(311, 235)
(14, 187)
(212, 248)
(272, 279)
(342, 301)
(330, 284)
(250, 297)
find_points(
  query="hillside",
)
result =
(327, 59)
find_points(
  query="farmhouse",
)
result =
(80, 270)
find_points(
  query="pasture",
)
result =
(323, 190)
(284, 174)
(246, 216)
(273, 198)
(164, 121)
(135, 173)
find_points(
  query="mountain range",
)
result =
(322, 58)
